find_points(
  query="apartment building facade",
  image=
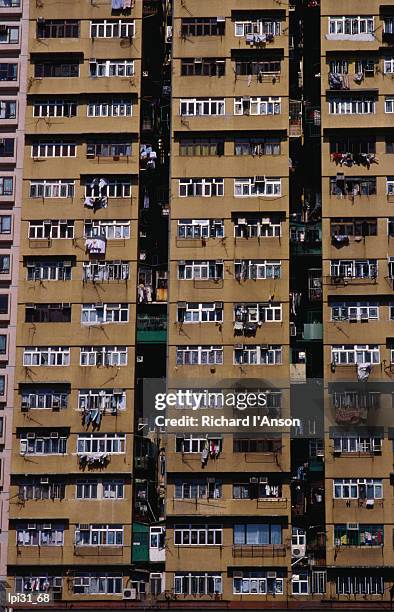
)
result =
(356, 89)
(73, 427)
(13, 49)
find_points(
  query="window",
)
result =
(98, 271)
(48, 313)
(257, 146)
(354, 145)
(99, 489)
(51, 443)
(199, 355)
(198, 535)
(257, 533)
(53, 230)
(257, 106)
(360, 585)
(362, 105)
(3, 348)
(207, 583)
(111, 68)
(256, 187)
(108, 401)
(99, 535)
(43, 397)
(62, 188)
(54, 149)
(201, 147)
(351, 26)
(257, 26)
(388, 25)
(348, 354)
(252, 354)
(119, 149)
(205, 66)
(255, 489)
(354, 311)
(197, 489)
(389, 104)
(258, 581)
(58, 28)
(111, 108)
(113, 188)
(198, 107)
(37, 490)
(103, 356)
(94, 583)
(112, 29)
(7, 147)
(255, 269)
(56, 70)
(350, 400)
(201, 187)
(96, 314)
(6, 186)
(270, 68)
(194, 445)
(390, 185)
(7, 109)
(202, 26)
(113, 444)
(354, 227)
(111, 230)
(353, 186)
(55, 108)
(200, 228)
(300, 583)
(388, 66)
(358, 488)
(263, 312)
(48, 270)
(41, 583)
(200, 270)
(357, 444)
(9, 34)
(8, 72)
(5, 263)
(256, 445)
(200, 312)
(40, 534)
(5, 224)
(355, 534)
(256, 226)
(354, 268)
(46, 356)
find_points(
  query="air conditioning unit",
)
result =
(129, 593)
(298, 550)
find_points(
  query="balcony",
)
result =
(253, 551)
(152, 329)
(312, 331)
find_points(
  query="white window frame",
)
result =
(11, 35)
(199, 355)
(349, 488)
(257, 269)
(257, 585)
(105, 270)
(300, 582)
(54, 149)
(201, 534)
(351, 106)
(108, 443)
(355, 354)
(202, 107)
(38, 230)
(110, 229)
(202, 312)
(255, 354)
(112, 108)
(192, 229)
(257, 228)
(201, 187)
(46, 356)
(357, 444)
(43, 108)
(47, 535)
(49, 271)
(271, 312)
(249, 188)
(257, 26)
(98, 583)
(97, 489)
(111, 68)
(389, 104)
(360, 585)
(257, 105)
(105, 400)
(115, 188)
(354, 25)
(388, 66)
(93, 314)
(354, 268)
(197, 269)
(57, 188)
(43, 444)
(183, 583)
(103, 356)
(110, 28)
(355, 311)
(99, 534)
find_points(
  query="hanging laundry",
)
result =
(363, 371)
(127, 4)
(117, 5)
(95, 245)
(204, 456)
